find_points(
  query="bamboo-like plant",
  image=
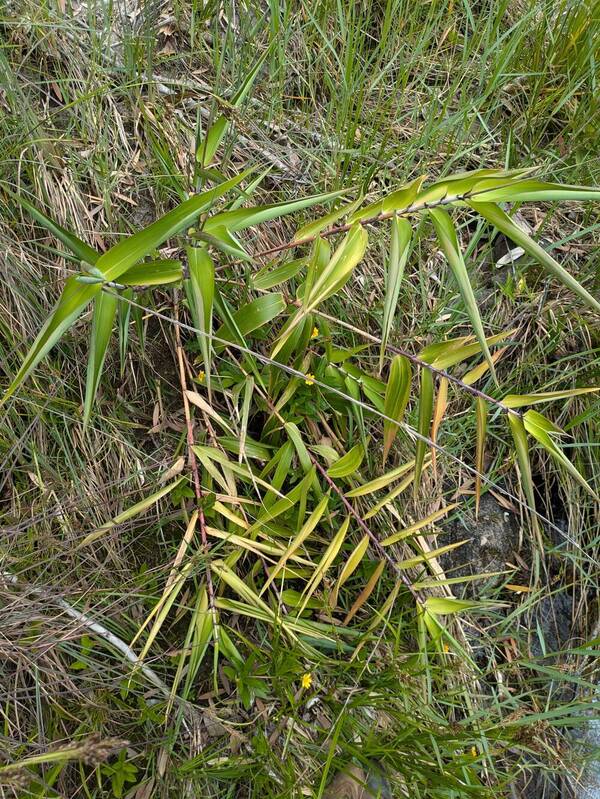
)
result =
(311, 528)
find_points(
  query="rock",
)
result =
(492, 541)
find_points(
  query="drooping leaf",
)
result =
(399, 200)
(381, 482)
(424, 422)
(519, 400)
(105, 308)
(348, 463)
(266, 278)
(505, 225)
(449, 243)
(543, 430)
(397, 394)
(75, 297)
(399, 251)
(153, 273)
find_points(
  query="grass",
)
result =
(99, 124)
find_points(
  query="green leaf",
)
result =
(542, 430)
(252, 316)
(74, 299)
(349, 463)
(248, 217)
(266, 278)
(105, 308)
(444, 606)
(326, 561)
(518, 400)
(504, 223)
(381, 482)
(414, 528)
(397, 394)
(201, 293)
(445, 354)
(524, 190)
(332, 278)
(449, 244)
(130, 250)
(312, 228)
(399, 251)
(424, 423)
(223, 240)
(399, 200)
(519, 435)
(153, 273)
(349, 568)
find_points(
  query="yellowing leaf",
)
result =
(424, 422)
(365, 593)
(381, 482)
(349, 568)
(518, 400)
(414, 528)
(349, 463)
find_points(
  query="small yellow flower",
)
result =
(309, 379)
(201, 376)
(315, 332)
(474, 751)
(306, 680)
(446, 648)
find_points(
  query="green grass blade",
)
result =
(424, 423)
(201, 293)
(519, 435)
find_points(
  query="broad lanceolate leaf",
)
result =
(247, 217)
(312, 228)
(542, 430)
(201, 293)
(449, 244)
(445, 354)
(366, 592)
(306, 529)
(153, 273)
(326, 561)
(105, 308)
(518, 400)
(70, 306)
(481, 421)
(399, 251)
(349, 568)
(414, 528)
(266, 278)
(397, 394)
(331, 279)
(399, 200)
(130, 250)
(519, 435)
(348, 463)
(504, 223)
(381, 482)
(523, 190)
(251, 316)
(424, 423)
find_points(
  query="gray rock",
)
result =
(493, 539)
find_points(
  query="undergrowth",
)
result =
(242, 460)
